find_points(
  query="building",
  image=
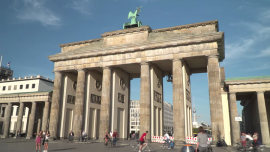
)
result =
(168, 117)
(5, 73)
(135, 117)
(25, 105)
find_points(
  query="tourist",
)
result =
(84, 135)
(18, 134)
(107, 137)
(202, 139)
(250, 140)
(243, 139)
(71, 135)
(143, 140)
(38, 140)
(47, 136)
(115, 136)
(167, 137)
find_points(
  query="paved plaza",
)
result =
(24, 145)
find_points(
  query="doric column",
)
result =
(20, 116)
(178, 101)
(7, 120)
(263, 118)
(235, 128)
(78, 112)
(55, 104)
(30, 130)
(145, 110)
(45, 116)
(215, 98)
(105, 102)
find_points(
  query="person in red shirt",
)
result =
(143, 140)
(115, 134)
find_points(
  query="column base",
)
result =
(4, 136)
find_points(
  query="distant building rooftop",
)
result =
(27, 78)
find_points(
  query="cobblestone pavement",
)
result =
(24, 145)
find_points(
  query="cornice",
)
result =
(80, 42)
(187, 26)
(149, 45)
(125, 31)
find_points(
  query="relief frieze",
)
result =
(121, 98)
(157, 97)
(95, 99)
(188, 96)
(71, 99)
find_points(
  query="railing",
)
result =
(5, 67)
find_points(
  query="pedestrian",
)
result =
(18, 134)
(167, 137)
(202, 140)
(47, 136)
(70, 136)
(143, 140)
(84, 135)
(115, 136)
(38, 140)
(250, 140)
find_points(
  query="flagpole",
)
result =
(1, 61)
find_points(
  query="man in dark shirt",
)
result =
(115, 134)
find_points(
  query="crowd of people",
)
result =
(249, 140)
(42, 138)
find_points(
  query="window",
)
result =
(15, 87)
(4, 88)
(21, 86)
(9, 87)
(33, 85)
(27, 86)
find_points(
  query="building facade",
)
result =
(25, 105)
(168, 117)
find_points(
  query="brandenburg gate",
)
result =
(92, 80)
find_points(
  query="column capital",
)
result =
(106, 67)
(79, 70)
(260, 92)
(212, 56)
(57, 72)
(145, 63)
(177, 59)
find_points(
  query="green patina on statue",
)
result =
(134, 22)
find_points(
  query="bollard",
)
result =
(187, 148)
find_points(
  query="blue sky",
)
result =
(31, 30)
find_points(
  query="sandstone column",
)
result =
(178, 101)
(105, 111)
(7, 120)
(235, 128)
(45, 116)
(215, 99)
(30, 130)
(263, 118)
(19, 118)
(78, 112)
(55, 104)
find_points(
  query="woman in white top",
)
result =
(47, 136)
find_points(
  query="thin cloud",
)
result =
(82, 6)
(265, 16)
(35, 10)
(263, 53)
(260, 67)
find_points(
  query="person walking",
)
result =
(84, 135)
(47, 136)
(202, 140)
(38, 140)
(143, 140)
(115, 136)
(18, 134)
(167, 137)
(107, 137)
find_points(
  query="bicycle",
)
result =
(109, 143)
(114, 142)
(165, 144)
(144, 148)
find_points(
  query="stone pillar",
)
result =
(145, 100)
(105, 111)
(19, 118)
(45, 115)
(215, 99)
(7, 120)
(178, 102)
(55, 104)
(263, 118)
(38, 125)
(235, 128)
(30, 130)
(79, 104)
